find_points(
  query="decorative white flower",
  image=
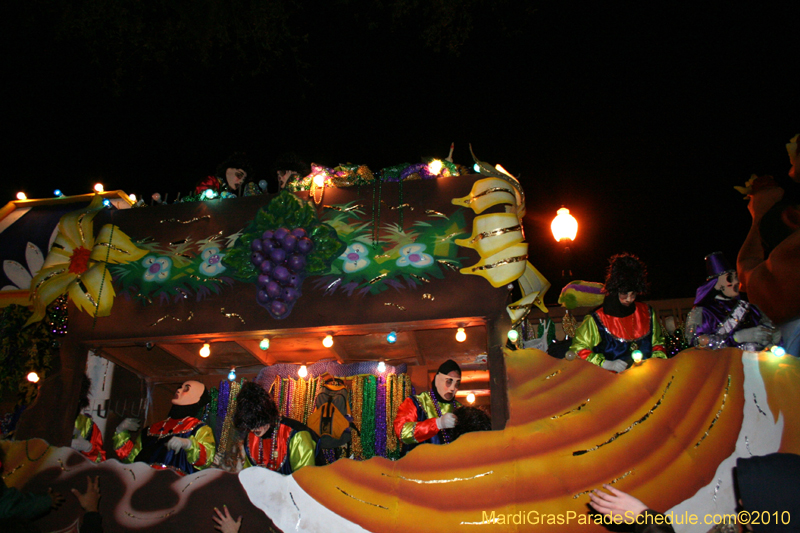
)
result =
(19, 275)
(412, 255)
(157, 268)
(355, 258)
(212, 262)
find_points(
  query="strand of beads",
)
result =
(227, 425)
(368, 417)
(380, 417)
(356, 398)
(391, 438)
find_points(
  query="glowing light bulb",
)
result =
(21, 196)
(57, 193)
(98, 187)
(208, 193)
(476, 167)
(391, 338)
(461, 335)
(513, 335)
(232, 374)
(637, 356)
(777, 351)
(327, 341)
(205, 351)
(33, 377)
(303, 372)
(435, 166)
(319, 180)
(106, 203)
(132, 197)
(381, 366)
(264, 344)
(470, 398)
(564, 226)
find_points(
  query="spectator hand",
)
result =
(80, 444)
(446, 421)
(129, 424)
(57, 499)
(225, 522)
(615, 504)
(91, 498)
(758, 335)
(617, 365)
(179, 443)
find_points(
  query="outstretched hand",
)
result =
(615, 504)
(57, 499)
(91, 498)
(225, 522)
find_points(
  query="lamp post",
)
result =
(565, 228)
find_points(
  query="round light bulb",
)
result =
(381, 366)
(391, 338)
(303, 372)
(461, 335)
(264, 344)
(513, 335)
(637, 356)
(327, 341)
(209, 193)
(319, 180)
(476, 167)
(132, 197)
(106, 203)
(435, 166)
(232, 375)
(33, 377)
(777, 351)
(21, 196)
(57, 193)
(98, 187)
(205, 351)
(470, 398)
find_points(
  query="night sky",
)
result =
(638, 116)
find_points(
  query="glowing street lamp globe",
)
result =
(564, 226)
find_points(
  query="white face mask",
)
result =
(189, 393)
(447, 384)
(728, 284)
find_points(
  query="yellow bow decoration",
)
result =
(486, 193)
(78, 264)
(503, 267)
(534, 286)
(491, 233)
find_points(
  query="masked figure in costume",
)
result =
(428, 417)
(609, 335)
(233, 178)
(86, 437)
(278, 443)
(721, 319)
(182, 442)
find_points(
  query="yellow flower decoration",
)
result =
(78, 264)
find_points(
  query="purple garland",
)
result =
(222, 402)
(380, 417)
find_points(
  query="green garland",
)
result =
(368, 417)
(24, 350)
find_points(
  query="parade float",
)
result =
(389, 266)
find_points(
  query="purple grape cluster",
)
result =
(280, 257)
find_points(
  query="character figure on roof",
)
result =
(181, 442)
(428, 416)
(622, 330)
(721, 318)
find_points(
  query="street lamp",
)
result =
(565, 228)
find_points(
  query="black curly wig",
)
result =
(626, 273)
(254, 407)
(470, 419)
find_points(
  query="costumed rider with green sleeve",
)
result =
(182, 442)
(621, 331)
